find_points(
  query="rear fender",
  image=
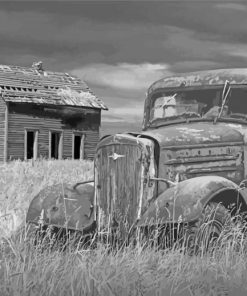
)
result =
(185, 201)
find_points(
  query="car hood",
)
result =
(194, 133)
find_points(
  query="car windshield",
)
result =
(197, 103)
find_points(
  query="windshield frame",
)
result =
(151, 97)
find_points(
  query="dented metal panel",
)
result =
(185, 201)
(62, 205)
(199, 149)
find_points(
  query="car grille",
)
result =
(118, 171)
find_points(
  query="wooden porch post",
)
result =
(82, 146)
(6, 130)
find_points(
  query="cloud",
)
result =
(122, 86)
(120, 54)
(66, 41)
(123, 107)
(239, 50)
(76, 40)
(231, 6)
(188, 44)
(135, 111)
(111, 118)
(193, 48)
(131, 112)
(123, 76)
(197, 65)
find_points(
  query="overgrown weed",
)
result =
(21, 181)
(29, 267)
(39, 269)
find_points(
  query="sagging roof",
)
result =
(202, 78)
(35, 85)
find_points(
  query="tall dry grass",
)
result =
(26, 269)
(21, 181)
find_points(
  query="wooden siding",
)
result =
(2, 127)
(22, 118)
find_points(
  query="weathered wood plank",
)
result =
(22, 84)
(6, 128)
(2, 126)
(23, 119)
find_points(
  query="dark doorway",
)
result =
(78, 146)
(55, 145)
(30, 144)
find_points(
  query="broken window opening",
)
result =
(31, 144)
(55, 145)
(78, 146)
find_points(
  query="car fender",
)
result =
(185, 201)
(63, 206)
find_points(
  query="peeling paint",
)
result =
(225, 161)
(194, 133)
(63, 206)
(189, 130)
(202, 78)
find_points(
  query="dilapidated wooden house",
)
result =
(46, 114)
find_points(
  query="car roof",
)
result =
(218, 77)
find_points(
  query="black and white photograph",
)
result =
(123, 148)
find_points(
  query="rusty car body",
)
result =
(191, 152)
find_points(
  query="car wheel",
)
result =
(203, 235)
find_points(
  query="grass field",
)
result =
(40, 270)
(21, 181)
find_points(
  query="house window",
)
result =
(56, 144)
(78, 145)
(31, 144)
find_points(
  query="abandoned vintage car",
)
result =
(189, 159)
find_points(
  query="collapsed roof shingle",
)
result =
(34, 85)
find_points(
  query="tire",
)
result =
(202, 236)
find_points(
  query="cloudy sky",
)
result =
(119, 48)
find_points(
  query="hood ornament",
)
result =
(115, 156)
